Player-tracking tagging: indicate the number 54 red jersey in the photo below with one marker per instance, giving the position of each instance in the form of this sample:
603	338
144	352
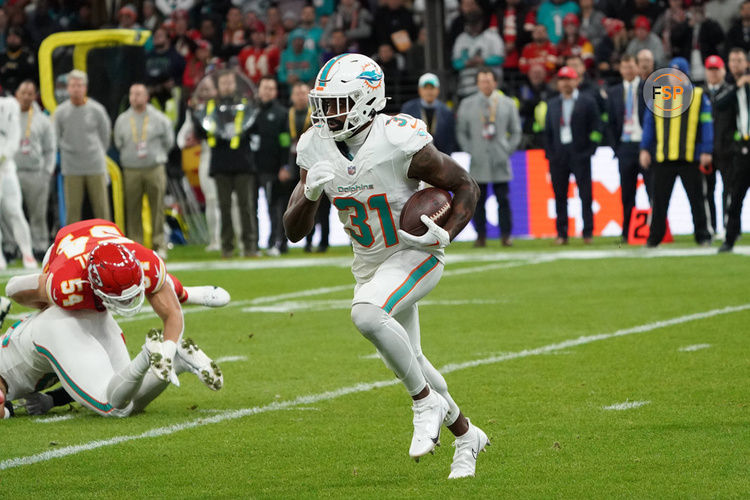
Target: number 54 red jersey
66	261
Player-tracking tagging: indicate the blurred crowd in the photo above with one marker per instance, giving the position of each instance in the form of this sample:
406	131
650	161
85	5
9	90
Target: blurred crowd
521	45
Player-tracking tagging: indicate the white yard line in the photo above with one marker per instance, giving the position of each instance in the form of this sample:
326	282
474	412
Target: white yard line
230	359
696	347
52	420
361	387
627	405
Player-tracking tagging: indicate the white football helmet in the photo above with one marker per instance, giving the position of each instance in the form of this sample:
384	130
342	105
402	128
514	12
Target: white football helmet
353	84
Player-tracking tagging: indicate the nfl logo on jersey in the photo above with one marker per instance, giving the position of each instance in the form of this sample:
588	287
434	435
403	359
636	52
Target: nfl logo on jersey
351	169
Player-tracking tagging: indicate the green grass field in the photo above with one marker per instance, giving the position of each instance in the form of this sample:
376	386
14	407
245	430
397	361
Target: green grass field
536	344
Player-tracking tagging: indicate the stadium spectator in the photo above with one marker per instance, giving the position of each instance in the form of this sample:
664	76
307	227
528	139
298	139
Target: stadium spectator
127	18
592	22
551	14
645	39
457	25
270	144
259	59
573	44
337	44
476	48
231	163
394	24
673	158
208	32
515	22
735	102
439	119
572	133
290	21
309	28
180	36
35	160
723	12
724	126
11	206
539	52
234	36
298	64
533	96
355	21
666	23
41	23
149	15
625	109
393	65
196	65
631	10
164	68
144	137
83	131
739	33
608	51
489	129
695	39
17	62
415	56
646	64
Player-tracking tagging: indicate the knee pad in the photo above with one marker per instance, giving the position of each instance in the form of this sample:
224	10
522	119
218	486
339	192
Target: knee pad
368	318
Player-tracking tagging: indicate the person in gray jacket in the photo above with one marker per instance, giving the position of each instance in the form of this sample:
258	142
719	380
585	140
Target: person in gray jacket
36	159
489	129
83	131
144	136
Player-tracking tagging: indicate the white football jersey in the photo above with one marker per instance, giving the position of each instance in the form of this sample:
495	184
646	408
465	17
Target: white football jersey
370	190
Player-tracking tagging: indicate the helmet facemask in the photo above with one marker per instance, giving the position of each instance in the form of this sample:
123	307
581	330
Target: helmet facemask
116	278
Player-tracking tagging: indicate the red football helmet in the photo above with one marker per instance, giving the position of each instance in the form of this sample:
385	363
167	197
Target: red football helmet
116	277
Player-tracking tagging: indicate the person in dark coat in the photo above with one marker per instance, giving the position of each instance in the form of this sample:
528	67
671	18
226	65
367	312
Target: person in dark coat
572	133
625	110
439	119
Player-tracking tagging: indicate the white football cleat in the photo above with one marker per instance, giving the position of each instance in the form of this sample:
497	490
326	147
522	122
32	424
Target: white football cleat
160	355
429	413
468	446
196	361
209	296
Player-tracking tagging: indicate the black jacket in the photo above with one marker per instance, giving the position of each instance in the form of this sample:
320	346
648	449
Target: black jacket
725	118
585	124
225	159
616	111
270	137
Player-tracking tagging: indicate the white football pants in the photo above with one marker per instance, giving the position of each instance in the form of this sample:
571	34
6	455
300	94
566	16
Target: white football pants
385	311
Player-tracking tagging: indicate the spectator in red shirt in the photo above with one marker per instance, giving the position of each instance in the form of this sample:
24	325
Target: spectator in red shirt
573	44
539	51
259	59
195	66
234	37
514	21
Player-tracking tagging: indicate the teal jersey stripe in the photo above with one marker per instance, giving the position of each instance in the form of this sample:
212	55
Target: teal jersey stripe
104	407
407	286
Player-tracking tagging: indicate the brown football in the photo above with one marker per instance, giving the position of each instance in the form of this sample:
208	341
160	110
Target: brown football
432	202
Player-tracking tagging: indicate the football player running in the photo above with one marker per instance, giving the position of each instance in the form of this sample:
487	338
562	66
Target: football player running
90	271
369	164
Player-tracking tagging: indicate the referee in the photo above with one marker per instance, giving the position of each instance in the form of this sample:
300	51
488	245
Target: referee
681	142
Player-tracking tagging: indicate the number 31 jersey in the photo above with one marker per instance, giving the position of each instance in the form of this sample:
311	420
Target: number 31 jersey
66	261
370	190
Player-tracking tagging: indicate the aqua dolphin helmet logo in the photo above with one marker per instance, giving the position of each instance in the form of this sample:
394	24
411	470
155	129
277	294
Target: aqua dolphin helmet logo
372	78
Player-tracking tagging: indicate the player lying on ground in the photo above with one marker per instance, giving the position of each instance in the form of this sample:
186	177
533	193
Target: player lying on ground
85	351
369	164
92	266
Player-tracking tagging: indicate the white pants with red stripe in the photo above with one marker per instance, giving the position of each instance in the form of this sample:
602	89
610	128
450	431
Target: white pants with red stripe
385	311
84	350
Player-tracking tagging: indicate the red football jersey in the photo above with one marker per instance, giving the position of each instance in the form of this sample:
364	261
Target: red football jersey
66	261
